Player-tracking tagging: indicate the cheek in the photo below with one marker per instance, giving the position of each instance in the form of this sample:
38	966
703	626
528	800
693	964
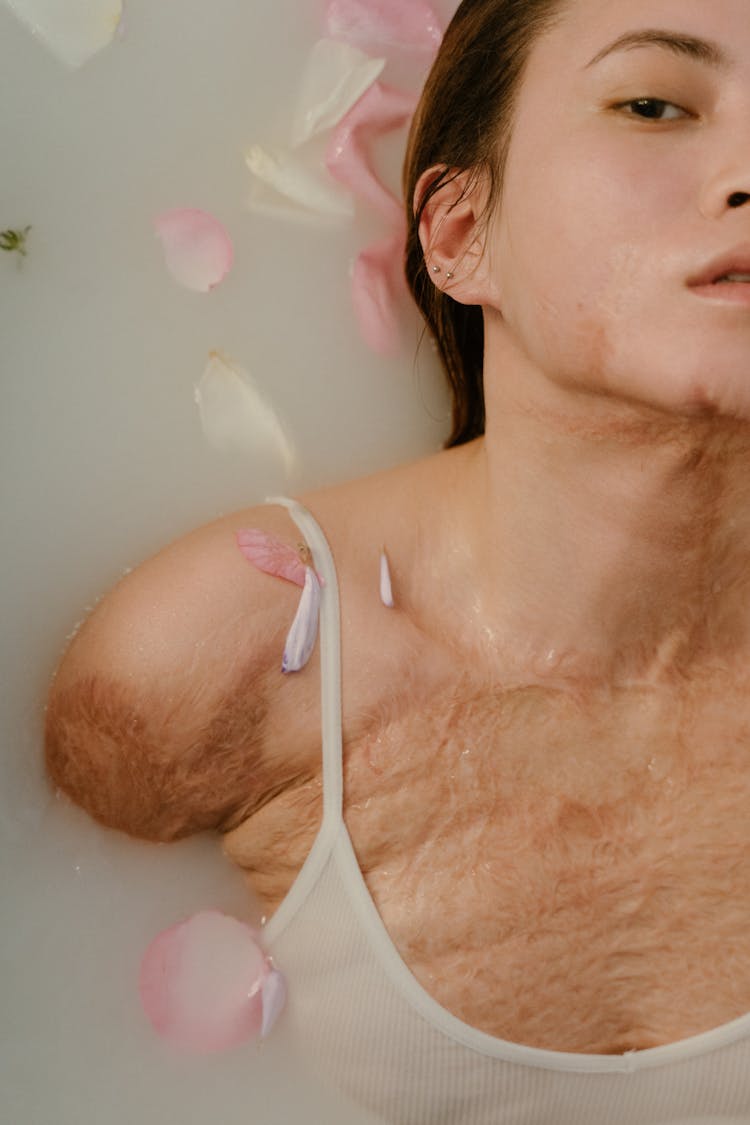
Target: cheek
578	249
560	275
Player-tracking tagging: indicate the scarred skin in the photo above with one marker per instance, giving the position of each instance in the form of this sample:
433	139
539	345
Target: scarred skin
547	740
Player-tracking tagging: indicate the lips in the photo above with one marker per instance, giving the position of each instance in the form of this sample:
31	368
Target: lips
730	268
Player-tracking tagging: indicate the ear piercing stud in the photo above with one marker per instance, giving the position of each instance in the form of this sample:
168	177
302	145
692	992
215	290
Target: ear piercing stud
449	276
436	269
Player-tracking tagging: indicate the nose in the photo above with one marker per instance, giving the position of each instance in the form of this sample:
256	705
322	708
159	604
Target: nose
727	189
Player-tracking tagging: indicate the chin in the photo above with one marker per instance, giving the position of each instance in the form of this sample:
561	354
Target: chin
703	390
720	395
715	401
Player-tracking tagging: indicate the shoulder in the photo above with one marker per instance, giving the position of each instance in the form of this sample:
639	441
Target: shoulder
408	513
169	713
157	718
388	506
183	611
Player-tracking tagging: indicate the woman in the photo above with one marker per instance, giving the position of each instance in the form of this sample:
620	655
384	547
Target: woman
546	743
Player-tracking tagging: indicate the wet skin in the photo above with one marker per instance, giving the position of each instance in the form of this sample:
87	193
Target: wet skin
547	741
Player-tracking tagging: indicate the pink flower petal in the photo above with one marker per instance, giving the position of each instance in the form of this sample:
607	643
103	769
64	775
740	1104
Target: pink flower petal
271	556
379	110
300	640
410	24
201	983
377	285
197	248
274	994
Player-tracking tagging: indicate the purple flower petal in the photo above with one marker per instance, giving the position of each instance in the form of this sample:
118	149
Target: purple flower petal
300	640
273	995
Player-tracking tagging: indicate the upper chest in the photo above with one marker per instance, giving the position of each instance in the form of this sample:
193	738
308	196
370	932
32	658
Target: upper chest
570	874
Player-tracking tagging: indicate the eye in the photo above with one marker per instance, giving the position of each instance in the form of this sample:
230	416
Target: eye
653	109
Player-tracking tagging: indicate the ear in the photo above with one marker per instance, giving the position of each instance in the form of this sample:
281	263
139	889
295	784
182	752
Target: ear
452	230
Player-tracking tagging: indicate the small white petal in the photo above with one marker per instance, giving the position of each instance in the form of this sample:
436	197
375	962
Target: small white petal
386	588
299	186
300	640
74	30
336	77
235	414
273	995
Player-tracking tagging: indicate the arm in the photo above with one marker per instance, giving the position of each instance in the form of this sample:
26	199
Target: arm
156	718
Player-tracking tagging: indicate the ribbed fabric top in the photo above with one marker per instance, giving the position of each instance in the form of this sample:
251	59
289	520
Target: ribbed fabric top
369	1028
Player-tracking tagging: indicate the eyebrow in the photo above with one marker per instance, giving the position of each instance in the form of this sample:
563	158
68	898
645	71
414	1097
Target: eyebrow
703	50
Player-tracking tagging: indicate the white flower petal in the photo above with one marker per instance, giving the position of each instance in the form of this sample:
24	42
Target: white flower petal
300	186
335	78
236	416
197	248
300	640
386	587
74	30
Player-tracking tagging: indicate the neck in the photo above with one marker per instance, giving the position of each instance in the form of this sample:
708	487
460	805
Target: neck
605	541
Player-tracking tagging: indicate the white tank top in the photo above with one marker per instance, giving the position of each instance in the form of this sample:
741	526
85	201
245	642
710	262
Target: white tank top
367	1026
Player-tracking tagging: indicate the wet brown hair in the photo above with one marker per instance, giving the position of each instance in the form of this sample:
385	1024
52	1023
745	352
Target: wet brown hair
463	123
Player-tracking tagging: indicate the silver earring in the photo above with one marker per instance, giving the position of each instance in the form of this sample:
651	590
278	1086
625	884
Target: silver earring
436	269
449	276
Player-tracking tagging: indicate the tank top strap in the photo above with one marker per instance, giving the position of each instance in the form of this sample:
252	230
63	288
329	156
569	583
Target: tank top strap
330	660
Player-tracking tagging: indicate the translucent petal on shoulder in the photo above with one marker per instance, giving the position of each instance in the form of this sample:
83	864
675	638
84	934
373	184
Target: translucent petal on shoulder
270	555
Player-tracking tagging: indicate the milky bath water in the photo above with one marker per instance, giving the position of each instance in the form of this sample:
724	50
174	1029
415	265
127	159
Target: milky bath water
104	460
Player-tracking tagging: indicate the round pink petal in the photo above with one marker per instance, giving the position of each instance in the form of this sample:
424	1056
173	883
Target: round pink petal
197	248
201	983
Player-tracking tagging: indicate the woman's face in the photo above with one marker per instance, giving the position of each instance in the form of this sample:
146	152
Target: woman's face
631	142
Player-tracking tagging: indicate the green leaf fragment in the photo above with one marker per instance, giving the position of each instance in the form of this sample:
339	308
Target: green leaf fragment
14	240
